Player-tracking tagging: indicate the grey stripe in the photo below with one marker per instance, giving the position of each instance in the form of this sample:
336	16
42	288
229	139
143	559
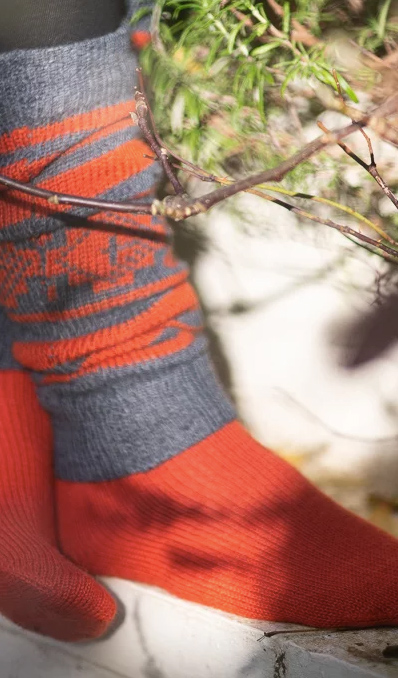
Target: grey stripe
41	150
77	327
137	422
7	361
41	86
83	154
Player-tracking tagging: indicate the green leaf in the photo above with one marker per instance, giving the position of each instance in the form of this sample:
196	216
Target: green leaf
323	75
259	30
290	75
233	36
347	89
381	27
140	14
286	18
263	49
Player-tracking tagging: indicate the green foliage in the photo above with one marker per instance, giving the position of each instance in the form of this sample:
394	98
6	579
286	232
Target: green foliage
221	69
378	32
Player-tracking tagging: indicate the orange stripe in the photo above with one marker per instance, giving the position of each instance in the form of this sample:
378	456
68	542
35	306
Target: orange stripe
142	343
81	122
23	170
174	345
89	179
47	354
99	174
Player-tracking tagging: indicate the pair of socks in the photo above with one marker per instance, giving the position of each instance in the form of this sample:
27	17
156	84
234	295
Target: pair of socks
156	480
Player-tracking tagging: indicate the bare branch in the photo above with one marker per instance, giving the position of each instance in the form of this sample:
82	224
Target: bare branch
371	167
342	228
204	203
180	207
142	110
66	199
388	252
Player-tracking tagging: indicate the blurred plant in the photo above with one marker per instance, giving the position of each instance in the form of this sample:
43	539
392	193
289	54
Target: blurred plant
225	74
379	33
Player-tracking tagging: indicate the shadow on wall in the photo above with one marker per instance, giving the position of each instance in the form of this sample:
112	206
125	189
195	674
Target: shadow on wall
367	337
361	342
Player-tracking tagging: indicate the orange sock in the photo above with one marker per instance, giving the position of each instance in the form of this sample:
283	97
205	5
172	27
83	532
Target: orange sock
39	588
229	525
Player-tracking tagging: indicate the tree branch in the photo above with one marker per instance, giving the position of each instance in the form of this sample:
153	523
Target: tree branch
391	253
142	110
181	206
66	199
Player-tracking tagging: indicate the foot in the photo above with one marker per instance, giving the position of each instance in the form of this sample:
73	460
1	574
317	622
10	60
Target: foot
40	589
230	525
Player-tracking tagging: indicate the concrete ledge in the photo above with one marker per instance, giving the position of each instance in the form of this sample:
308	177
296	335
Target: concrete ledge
164	637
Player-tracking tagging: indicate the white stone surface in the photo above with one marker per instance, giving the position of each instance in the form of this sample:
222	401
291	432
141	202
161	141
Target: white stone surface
163	637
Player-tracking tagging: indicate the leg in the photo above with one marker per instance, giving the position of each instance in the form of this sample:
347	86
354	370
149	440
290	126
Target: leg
157	481
39	588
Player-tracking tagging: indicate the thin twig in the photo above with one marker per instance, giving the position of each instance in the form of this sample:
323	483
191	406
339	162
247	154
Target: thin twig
273	30
369	167
365	136
299	33
297	194
338	86
142	110
207	201
342	228
156	40
182	206
142	89
203	175
67	199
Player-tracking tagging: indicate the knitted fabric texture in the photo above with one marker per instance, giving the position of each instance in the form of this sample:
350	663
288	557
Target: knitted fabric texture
156	481
39	588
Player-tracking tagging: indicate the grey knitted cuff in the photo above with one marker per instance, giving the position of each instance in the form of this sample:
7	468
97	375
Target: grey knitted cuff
42	86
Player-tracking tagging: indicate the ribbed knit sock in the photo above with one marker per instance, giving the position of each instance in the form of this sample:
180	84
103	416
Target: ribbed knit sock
157	482
39	588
